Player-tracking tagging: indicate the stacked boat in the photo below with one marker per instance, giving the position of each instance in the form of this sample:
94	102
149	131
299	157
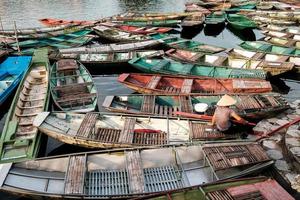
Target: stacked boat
153	142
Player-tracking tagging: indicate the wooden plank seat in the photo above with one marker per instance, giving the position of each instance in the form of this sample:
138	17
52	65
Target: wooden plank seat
172	90
83	98
66	64
77	87
75	175
185	104
135	172
165	110
257	56
87	125
148	104
126	135
186	86
153	82
219	61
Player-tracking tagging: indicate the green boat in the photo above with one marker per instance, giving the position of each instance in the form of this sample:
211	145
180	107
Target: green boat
216	18
72	87
164	66
20	140
156	23
240	22
265	47
249	6
246	188
185	44
251	106
68	40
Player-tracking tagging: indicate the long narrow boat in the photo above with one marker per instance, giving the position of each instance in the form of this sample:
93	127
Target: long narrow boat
253	188
12	70
95	130
267	20
154	23
106	48
68	40
58	22
117	35
215	19
193	21
163	84
193	7
138	30
129	173
139	16
241	53
119	58
282	34
72	87
19	139
165	66
285	42
285	29
273	68
240	22
284	15
255	106
265	47
179	43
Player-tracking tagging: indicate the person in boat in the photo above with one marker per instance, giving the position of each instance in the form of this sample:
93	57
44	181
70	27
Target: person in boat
223	114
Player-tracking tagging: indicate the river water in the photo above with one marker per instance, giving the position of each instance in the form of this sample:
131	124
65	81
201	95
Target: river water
27	12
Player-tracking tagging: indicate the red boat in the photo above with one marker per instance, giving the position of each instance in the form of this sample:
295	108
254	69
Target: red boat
164	84
57	22
138	30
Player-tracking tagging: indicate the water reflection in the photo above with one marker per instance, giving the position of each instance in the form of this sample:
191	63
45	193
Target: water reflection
213	30
246	34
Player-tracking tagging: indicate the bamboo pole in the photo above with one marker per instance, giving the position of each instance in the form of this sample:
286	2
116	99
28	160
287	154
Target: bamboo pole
16	35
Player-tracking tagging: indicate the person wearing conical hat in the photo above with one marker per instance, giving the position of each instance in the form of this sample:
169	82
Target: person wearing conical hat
223	114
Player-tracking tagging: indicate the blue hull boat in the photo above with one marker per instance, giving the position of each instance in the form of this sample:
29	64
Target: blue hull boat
11	73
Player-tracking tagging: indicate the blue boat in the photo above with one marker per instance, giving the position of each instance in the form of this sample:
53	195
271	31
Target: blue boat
11	73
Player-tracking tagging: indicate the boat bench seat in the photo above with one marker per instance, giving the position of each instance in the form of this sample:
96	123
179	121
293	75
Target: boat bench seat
75	176
219	61
153	82
126	135
66	64
148	104
186	86
81	97
185	104
87	125
72	89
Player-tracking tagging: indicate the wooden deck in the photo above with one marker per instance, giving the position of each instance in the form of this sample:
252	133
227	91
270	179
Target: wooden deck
126	135
148	104
153	82
75	176
135	172
187	86
87	126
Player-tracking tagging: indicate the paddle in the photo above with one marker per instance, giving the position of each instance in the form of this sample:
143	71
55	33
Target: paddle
206	117
279	128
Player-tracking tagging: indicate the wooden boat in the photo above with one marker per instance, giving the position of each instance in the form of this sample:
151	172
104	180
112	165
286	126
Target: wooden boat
192	21
12	70
240	22
105	48
240	53
254	106
72	87
246	7
191	45
68	40
164	84
285	29
256	188
117	35
269	48
19	139
271	67
267	20
285	15
129	173
94	130
136	16
138	30
164	66
118	58
154	23
215	18
58	22
193	7
221	7
281	34
285	42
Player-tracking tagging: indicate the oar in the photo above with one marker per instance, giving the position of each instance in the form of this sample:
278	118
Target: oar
205	117
288	124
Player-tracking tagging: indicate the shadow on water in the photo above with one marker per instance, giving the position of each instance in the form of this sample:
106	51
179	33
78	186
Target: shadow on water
213	30
190	33
245	34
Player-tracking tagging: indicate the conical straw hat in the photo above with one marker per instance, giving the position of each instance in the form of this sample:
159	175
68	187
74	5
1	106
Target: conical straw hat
226	100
